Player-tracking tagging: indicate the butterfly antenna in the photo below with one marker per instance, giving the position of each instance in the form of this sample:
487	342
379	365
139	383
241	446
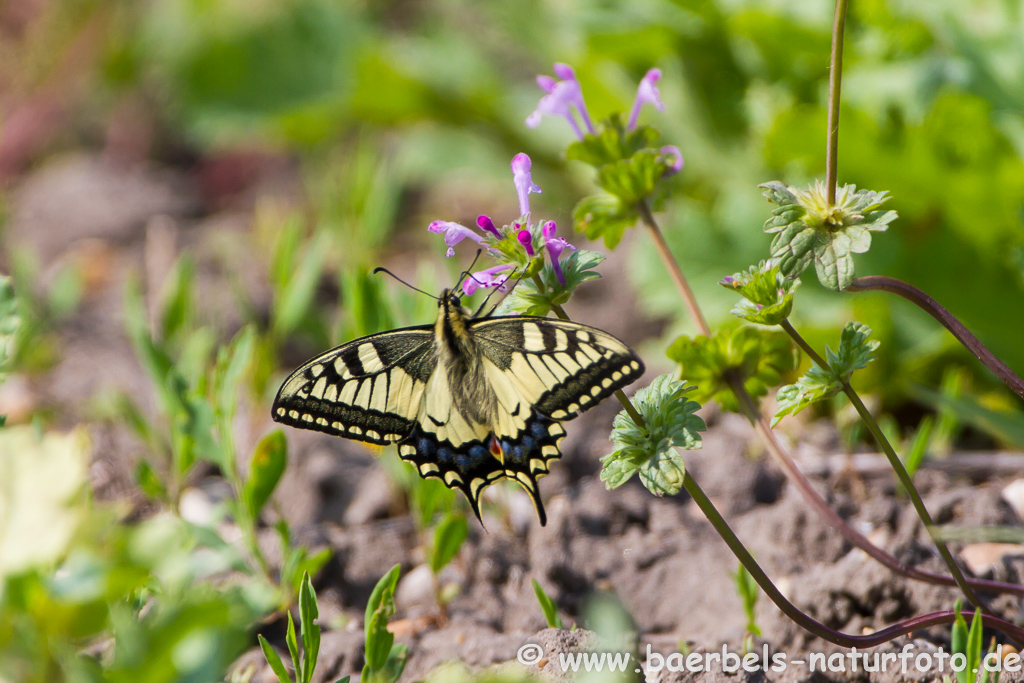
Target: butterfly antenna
484	303
464	273
415	289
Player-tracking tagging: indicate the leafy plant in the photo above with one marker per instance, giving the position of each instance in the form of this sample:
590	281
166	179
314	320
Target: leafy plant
748	591
670	422
810	229
756	359
818	383
385	660
304	664
548	606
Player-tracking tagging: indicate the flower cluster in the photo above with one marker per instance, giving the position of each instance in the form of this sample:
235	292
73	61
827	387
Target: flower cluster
565	98
524	245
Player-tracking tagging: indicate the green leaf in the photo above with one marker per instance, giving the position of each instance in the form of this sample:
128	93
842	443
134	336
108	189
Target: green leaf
294	300
749	591
1006	426
919	446
527	299
265	470
378	638
611	143
308	614
855	352
293	645
634	179
767	293
958	643
754	356
388	581
548	606
177	301
604	216
974	645
149	482
395	664
809	230
274	660
10	323
670	423
448	538
369	306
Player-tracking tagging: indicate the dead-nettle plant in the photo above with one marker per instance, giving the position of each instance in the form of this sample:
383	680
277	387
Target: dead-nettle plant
731	366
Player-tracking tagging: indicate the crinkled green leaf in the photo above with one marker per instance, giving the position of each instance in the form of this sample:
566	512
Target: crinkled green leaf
527	299
757	357
670	422
767	293
855	352
611	143
604	216
808	230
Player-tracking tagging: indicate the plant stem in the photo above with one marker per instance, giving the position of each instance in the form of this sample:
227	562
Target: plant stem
673	269
793	473
901	471
799	617
634	415
946	319
835	79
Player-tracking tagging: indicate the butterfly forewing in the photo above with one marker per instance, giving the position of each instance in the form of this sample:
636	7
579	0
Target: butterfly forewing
562	368
370	389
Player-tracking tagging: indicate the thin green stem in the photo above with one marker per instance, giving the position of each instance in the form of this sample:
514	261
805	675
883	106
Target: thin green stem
894	460
673	269
835	79
946	319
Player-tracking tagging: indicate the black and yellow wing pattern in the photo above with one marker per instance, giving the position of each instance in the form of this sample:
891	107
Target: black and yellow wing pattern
470	406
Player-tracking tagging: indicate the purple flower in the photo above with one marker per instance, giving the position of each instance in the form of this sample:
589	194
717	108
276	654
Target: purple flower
677	162
646	93
487	225
555	247
564	97
453	234
486	278
523	180
525	238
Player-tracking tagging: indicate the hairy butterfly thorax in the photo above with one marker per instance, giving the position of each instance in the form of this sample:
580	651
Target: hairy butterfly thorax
466	400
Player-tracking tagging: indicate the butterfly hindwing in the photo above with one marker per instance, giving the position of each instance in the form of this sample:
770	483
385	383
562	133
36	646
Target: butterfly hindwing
540	371
370	389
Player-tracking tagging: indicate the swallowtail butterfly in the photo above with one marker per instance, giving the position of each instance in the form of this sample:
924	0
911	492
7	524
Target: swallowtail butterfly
467	400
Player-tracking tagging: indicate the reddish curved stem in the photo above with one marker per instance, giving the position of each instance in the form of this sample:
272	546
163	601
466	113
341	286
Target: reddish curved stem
946	319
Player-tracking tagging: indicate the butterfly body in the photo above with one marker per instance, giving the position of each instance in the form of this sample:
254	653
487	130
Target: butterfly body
467	400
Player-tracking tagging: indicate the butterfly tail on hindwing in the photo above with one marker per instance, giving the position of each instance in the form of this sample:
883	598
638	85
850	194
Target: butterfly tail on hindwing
472	467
